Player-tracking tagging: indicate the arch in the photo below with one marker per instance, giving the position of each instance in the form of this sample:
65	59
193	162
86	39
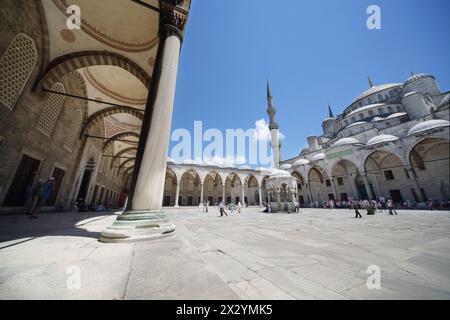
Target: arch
77	60
316	178
16	65
119	136
121	153
190	188
123	163
429	159
170	185
348	181
389	175
128	171
213	187
99	115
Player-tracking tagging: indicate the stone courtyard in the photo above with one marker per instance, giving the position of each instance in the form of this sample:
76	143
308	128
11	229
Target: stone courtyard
318	254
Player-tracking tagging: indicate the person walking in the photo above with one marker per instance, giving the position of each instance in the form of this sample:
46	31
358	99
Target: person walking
239	207
391	208
222	209
46	191
206	206
357	214
36	192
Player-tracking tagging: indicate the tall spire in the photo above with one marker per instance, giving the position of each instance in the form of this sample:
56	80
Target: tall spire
330	112
268	91
271	110
370	83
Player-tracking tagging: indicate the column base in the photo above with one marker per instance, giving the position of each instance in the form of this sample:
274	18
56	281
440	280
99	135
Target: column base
136	226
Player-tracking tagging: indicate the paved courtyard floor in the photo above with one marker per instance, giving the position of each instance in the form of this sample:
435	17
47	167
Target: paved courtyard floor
318	254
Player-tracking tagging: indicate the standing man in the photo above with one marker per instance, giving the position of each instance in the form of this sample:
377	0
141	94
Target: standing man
222	208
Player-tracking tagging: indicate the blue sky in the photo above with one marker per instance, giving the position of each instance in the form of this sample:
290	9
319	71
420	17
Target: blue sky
312	52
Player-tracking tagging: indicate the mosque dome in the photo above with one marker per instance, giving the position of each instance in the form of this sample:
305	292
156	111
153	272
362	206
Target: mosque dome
170	160
428	126
376	89
245	168
300	162
415	77
286	166
279	173
317	157
304	150
344	142
384	138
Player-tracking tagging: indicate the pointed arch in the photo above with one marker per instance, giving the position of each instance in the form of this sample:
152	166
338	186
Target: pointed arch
123	163
121	153
99	115
77	60
119	136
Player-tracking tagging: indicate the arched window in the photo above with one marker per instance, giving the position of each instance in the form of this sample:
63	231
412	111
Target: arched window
16	66
361	116
72	132
51	111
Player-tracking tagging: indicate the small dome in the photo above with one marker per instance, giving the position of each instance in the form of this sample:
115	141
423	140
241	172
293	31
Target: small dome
356	124
376	89
428	126
319	156
285	166
344	142
170	160
245	167
279	173
384	138
301	162
396	115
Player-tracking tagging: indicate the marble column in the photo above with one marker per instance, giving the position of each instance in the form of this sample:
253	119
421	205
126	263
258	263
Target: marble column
311	199
201	192
177	195
367	185
243	195
412	175
260	196
223	193
143	219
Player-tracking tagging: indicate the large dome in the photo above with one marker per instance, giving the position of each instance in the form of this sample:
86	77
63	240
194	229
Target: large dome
376	89
415	77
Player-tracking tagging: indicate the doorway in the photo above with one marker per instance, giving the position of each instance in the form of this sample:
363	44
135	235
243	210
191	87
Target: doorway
58	174
24	177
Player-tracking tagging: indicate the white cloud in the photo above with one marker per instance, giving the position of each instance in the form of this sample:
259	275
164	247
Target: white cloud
262	131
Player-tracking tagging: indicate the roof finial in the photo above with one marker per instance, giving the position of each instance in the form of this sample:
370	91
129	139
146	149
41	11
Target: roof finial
370	83
412	74
330	112
268	90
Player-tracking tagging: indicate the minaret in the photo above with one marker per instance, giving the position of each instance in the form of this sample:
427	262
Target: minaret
274	129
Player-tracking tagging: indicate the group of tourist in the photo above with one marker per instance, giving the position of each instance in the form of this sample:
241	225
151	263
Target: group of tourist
223	206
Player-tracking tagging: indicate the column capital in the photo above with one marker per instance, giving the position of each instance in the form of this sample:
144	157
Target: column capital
173	16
